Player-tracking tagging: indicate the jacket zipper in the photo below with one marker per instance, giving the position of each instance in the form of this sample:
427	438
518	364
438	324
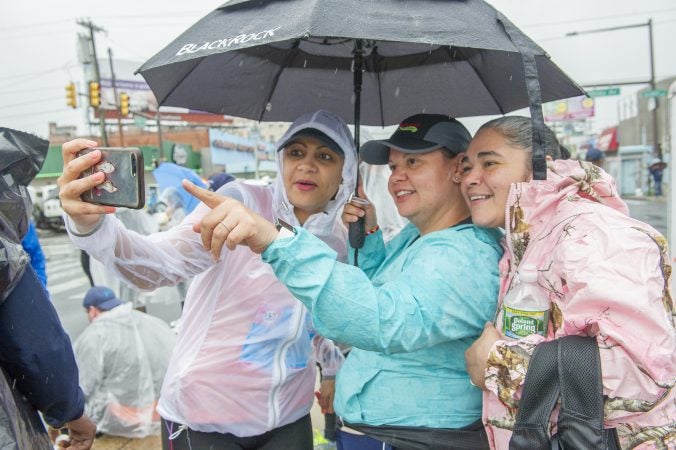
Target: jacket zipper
279	363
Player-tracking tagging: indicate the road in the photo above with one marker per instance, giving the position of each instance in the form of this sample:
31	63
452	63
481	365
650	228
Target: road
66	281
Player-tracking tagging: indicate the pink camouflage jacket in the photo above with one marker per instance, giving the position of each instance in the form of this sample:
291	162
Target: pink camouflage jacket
607	275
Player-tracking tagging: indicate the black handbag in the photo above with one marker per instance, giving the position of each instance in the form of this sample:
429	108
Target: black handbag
568	369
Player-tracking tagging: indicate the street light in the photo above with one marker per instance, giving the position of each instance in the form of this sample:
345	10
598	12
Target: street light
649	24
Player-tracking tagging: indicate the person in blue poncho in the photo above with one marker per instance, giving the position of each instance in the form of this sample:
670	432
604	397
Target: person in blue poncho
413	306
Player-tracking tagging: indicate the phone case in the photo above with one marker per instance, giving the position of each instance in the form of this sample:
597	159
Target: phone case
124	184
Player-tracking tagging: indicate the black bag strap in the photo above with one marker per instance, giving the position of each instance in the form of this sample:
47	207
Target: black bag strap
580	423
568	368
539	395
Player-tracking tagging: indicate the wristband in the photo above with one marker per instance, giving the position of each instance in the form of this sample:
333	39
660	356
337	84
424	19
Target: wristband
372	230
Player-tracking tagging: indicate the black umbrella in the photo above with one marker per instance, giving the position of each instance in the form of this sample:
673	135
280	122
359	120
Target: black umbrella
274	60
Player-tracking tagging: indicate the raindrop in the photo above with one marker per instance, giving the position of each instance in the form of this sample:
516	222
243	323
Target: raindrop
396	92
424	110
510	78
268	107
335	72
241	63
304	64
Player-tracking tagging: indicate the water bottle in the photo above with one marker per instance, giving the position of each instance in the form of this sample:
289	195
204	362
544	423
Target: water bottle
525	308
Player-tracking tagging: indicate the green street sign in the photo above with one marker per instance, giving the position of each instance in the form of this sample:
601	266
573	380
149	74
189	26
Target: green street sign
655	93
604	92
139	121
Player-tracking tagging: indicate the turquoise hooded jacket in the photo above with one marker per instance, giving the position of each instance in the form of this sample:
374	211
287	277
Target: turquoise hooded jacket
410	311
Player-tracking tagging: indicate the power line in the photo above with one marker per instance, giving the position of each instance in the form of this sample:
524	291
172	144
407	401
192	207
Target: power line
559	37
25	37
591	19
155	15
35	24
42	100
40	72
32	89
33	113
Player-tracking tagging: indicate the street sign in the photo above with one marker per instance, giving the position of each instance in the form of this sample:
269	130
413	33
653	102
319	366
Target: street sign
604	92
139	121
655	93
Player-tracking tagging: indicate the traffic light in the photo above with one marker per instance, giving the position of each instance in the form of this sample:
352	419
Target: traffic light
124	104
94	94
71	95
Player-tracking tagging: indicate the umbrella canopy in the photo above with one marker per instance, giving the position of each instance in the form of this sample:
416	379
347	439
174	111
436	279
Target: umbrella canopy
170	175
277	59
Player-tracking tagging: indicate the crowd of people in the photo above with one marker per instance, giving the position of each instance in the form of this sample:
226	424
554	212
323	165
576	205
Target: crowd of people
410	340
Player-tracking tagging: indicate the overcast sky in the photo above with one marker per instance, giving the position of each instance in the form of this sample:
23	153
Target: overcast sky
39	57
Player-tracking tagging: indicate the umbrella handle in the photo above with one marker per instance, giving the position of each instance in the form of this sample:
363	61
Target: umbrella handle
356	233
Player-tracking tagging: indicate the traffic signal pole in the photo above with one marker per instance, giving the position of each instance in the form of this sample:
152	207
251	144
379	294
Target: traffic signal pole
656	135
91	27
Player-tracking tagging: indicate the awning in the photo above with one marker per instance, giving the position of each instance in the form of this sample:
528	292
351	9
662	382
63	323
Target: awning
607	140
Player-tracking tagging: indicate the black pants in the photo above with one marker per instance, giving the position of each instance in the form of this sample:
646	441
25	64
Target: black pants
86	267
294	436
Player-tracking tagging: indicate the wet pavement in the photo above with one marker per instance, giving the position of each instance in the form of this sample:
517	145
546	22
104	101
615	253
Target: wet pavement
118	443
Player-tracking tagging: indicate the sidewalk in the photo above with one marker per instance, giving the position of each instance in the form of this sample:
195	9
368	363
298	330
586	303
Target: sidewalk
648	198
119	443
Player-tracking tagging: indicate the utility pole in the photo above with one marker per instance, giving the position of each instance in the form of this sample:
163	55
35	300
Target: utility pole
657	149
92	28
658	144
117	103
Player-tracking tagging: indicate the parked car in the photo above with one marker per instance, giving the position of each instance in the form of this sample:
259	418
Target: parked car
47	212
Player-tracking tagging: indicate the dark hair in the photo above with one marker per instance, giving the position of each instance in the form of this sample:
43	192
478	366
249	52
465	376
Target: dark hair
449	154
565	153
518	132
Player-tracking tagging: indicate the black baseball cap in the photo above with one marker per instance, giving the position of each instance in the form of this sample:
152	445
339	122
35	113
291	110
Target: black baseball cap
420	133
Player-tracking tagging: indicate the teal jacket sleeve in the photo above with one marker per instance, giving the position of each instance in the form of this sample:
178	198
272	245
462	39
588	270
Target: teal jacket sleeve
445	290
371	255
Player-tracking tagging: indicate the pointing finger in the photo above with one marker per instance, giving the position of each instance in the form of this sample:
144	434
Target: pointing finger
209	198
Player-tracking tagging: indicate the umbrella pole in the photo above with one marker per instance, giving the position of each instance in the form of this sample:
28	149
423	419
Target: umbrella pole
530	69
356	229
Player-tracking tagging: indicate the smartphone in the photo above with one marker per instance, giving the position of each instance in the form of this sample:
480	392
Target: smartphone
124	183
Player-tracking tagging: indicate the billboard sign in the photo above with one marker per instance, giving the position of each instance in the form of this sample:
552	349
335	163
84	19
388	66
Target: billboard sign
569	109
239	154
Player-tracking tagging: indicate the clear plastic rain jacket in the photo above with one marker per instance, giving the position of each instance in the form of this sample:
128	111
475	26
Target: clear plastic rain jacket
123	356
410	311
243	361
607	275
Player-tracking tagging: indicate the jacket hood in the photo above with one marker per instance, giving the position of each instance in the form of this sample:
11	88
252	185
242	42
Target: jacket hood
530	203
321	224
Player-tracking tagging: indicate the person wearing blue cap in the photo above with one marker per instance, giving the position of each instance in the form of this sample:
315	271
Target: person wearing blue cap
243	371
123	356
219	179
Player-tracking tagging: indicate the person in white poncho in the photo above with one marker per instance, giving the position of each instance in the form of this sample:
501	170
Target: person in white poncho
123	356
243	370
